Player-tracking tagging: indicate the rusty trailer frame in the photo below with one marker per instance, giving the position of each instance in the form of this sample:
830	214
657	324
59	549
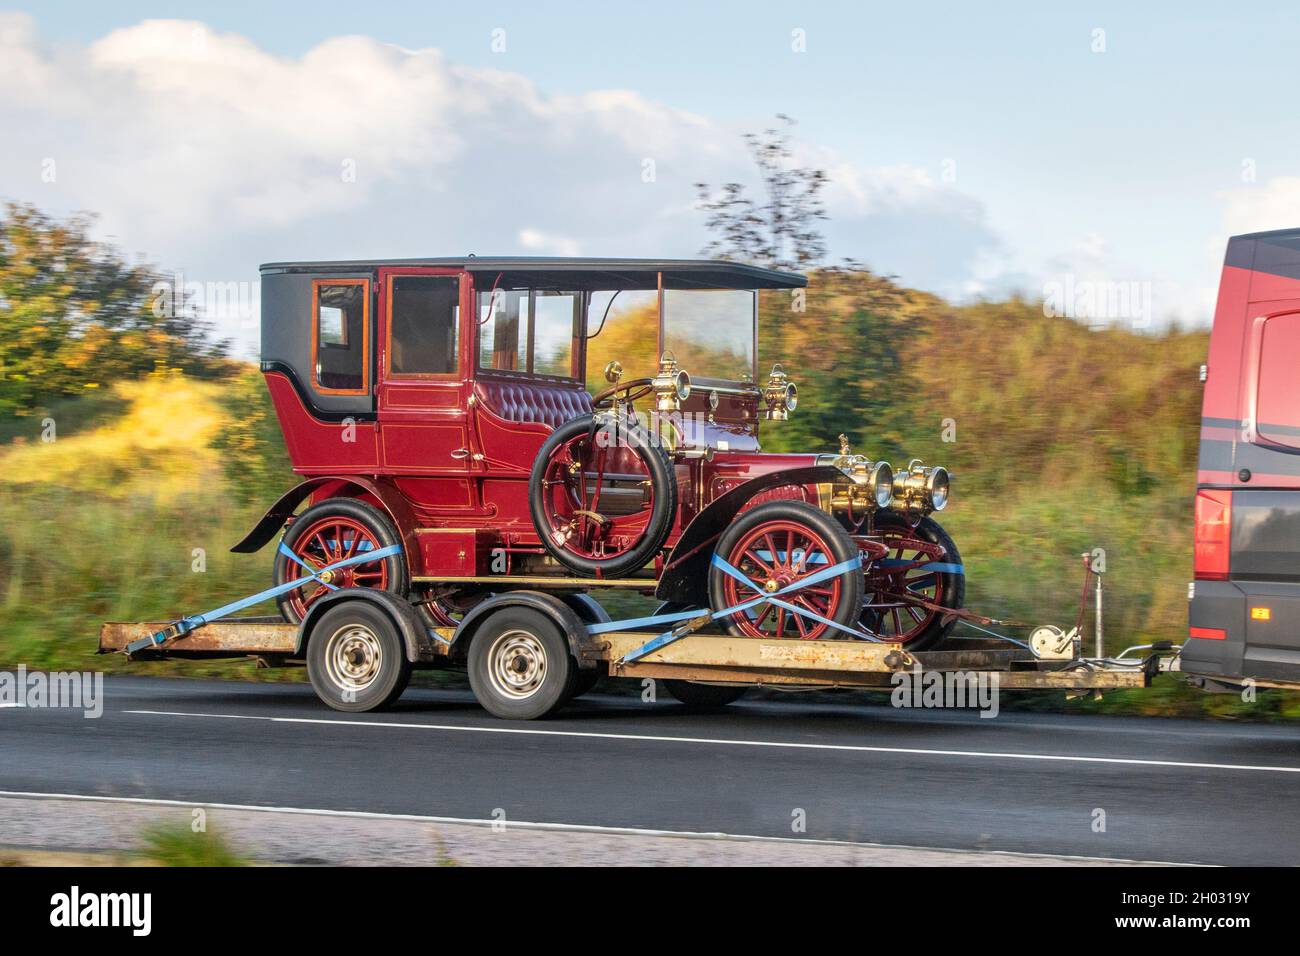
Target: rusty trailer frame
697	657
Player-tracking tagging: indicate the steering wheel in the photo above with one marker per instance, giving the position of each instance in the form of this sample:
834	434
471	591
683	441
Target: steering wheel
606	394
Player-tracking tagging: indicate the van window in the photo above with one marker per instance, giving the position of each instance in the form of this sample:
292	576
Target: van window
1277	409
422	322
340	334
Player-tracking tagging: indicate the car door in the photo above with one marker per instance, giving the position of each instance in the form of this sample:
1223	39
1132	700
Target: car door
423	420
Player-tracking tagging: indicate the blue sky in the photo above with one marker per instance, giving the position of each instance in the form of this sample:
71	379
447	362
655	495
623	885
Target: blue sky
1125	164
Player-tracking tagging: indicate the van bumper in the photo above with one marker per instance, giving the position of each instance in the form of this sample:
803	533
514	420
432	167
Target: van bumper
1216	608
1225	641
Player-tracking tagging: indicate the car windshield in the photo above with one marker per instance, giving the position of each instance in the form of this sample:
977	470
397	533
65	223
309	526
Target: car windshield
711	332
622	327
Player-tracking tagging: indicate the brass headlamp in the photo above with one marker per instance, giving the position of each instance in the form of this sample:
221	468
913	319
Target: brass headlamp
870	484
672	385
780	394
922	489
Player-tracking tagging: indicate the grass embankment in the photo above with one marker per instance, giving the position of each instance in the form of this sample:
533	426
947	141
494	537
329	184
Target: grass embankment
121	517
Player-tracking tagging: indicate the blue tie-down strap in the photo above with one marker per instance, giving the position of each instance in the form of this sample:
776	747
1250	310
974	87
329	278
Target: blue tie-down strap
763	597
187	624
938	567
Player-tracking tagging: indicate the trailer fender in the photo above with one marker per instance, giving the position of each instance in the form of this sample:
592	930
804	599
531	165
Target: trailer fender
388	497
567	617
421	646
686	574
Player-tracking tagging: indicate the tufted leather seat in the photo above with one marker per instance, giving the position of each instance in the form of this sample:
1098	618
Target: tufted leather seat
546	403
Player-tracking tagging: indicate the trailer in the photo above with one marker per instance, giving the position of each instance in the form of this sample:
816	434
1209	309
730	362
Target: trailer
529	652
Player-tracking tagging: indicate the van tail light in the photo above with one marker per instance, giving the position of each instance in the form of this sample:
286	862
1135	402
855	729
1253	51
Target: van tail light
1212	542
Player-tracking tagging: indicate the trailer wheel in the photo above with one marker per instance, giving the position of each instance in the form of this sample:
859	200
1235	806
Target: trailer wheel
778	544
705	696
699	696
520	667
584	681
331	531
356	658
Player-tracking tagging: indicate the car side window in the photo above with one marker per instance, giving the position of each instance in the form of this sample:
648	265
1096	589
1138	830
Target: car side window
1277	410
423	321
341	335
504	316
522	330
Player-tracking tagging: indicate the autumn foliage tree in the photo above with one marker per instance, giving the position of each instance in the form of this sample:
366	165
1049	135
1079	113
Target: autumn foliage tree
75	314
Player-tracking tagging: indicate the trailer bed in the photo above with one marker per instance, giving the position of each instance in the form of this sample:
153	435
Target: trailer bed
697	657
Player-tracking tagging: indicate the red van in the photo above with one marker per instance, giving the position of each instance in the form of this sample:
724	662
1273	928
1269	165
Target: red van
1244	613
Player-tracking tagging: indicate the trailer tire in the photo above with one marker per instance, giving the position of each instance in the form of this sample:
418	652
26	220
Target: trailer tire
705	696
700	697
520	667
584	681
356	658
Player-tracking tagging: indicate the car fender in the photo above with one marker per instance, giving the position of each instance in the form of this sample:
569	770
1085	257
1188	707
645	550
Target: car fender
421	645
685	578
567	619
345	486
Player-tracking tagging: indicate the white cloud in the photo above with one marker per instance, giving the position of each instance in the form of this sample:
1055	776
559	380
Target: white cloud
210	154
534	240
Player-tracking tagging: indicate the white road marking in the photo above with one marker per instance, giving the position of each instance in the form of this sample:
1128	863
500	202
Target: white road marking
562	827
724	742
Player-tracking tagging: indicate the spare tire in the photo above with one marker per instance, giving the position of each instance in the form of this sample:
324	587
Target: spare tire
602	495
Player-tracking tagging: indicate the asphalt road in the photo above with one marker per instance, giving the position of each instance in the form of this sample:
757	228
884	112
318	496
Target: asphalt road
1170	790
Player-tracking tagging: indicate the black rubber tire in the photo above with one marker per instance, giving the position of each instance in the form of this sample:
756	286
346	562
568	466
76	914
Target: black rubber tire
704	696
701	697
375	521
953	594
584	681
558	673
830	530
663	484
364	622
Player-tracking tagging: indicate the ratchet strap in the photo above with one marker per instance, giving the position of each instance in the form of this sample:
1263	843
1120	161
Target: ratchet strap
178	629
690	621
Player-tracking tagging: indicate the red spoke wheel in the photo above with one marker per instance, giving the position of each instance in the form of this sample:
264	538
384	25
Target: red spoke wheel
922	564
776	545
333	531
447	608
602	496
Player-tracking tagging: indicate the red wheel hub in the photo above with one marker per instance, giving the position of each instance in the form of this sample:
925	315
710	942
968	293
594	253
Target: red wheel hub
325	542
775	555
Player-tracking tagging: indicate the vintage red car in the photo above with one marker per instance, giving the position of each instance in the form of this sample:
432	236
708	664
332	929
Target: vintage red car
444	405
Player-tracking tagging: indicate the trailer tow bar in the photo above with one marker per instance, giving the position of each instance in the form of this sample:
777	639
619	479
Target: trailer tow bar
178	629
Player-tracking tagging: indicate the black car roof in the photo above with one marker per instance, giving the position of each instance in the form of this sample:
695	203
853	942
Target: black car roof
570	273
